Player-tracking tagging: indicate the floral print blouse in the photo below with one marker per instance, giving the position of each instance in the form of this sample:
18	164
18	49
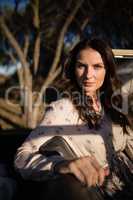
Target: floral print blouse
61	118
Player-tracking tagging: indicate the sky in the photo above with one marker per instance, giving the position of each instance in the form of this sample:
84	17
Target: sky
4	3
9	70
6	70
9	2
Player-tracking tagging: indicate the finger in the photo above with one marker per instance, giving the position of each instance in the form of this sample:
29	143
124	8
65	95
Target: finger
101	177
95	163
89	180
88	172
95	179
106	171
77	172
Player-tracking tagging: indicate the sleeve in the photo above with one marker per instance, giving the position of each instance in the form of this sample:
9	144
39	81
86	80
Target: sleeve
28	161
129	144
126	92
127	87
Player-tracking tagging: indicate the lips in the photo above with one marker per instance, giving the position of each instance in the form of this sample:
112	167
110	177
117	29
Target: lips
88	83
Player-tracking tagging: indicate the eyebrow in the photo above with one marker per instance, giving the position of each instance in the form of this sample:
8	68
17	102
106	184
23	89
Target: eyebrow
81	63
85	64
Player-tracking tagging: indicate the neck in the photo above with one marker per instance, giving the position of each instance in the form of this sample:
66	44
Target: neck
96	102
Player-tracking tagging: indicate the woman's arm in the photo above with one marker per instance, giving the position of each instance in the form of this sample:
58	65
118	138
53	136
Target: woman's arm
28	161
86	169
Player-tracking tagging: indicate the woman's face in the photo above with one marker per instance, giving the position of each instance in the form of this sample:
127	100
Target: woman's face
90	71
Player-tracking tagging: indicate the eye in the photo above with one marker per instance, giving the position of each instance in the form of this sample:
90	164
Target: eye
99	66
80	65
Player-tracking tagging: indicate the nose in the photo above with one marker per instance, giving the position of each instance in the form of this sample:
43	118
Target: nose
90	72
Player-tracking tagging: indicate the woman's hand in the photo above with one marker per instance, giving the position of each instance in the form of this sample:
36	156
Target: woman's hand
86	169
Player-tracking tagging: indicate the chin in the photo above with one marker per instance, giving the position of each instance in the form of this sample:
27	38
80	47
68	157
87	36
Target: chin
89	93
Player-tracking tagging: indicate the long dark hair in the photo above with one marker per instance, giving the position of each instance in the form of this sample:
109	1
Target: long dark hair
69	84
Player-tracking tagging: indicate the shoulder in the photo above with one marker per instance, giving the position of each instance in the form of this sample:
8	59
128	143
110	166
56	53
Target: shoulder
58	112
62	105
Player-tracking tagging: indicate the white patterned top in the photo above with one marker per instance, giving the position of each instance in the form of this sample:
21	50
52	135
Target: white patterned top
62	119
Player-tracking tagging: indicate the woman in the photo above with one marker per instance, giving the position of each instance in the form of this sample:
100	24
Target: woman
86	120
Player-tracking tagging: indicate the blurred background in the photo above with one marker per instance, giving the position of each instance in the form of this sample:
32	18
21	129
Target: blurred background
36	35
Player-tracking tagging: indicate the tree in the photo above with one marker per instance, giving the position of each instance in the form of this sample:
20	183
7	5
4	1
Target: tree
35	40
27	114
